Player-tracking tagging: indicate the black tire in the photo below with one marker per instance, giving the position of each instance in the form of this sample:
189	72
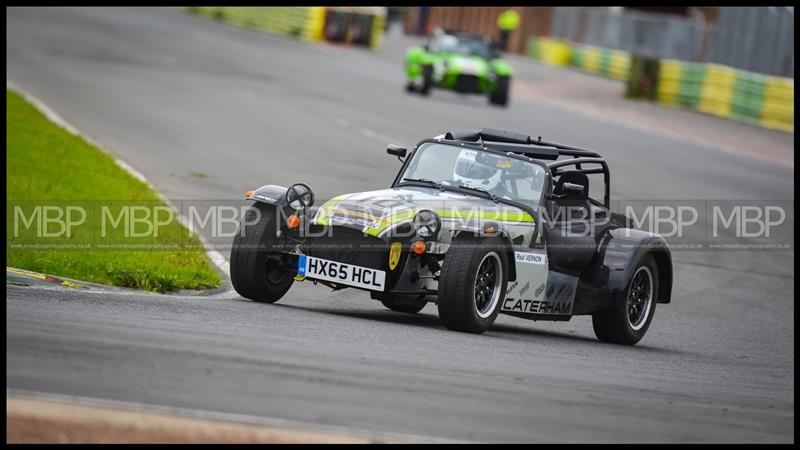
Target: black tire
617	325
500	94
404	304
427	80
458	301
258	270
410	86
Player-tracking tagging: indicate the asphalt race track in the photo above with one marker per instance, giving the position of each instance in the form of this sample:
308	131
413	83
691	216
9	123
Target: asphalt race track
173	94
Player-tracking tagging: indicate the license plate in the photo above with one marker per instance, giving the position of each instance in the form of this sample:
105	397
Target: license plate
336	272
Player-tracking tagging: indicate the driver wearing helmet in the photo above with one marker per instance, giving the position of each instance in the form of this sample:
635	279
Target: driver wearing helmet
472	173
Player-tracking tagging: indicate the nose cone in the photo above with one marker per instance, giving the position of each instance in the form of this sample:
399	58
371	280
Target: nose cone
468	65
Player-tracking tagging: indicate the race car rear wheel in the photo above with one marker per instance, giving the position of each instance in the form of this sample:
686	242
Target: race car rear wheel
258	270
627	323
500	94
402	304
472	284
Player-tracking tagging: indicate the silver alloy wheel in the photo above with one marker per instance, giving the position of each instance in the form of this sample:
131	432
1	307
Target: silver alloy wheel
640	297
487	285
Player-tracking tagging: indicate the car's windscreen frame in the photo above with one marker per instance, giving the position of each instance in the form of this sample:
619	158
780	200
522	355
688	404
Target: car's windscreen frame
547	182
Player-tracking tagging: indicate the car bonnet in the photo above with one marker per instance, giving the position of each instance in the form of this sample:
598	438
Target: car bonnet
375	211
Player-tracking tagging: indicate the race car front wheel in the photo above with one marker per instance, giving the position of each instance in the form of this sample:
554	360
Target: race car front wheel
627	323
472	284
427	80
259	271
500	94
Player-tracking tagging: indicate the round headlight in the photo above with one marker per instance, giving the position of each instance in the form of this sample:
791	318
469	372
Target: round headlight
299	196
427	223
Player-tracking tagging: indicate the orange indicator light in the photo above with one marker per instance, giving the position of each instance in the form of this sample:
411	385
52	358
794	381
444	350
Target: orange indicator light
418	247
293	221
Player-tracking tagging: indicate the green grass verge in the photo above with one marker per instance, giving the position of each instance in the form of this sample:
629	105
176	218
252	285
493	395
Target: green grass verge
48	165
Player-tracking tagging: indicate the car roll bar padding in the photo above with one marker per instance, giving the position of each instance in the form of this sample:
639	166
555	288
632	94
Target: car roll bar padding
495	135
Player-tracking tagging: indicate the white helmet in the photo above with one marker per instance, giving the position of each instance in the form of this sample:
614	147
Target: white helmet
469	172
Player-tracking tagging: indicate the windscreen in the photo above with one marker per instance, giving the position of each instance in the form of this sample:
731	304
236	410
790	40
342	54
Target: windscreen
452	165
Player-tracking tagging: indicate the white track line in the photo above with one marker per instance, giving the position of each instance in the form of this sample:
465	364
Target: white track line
213	255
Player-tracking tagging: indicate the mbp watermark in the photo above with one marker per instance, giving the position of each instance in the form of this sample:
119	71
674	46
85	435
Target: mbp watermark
49	221
747	221
704	225
135	221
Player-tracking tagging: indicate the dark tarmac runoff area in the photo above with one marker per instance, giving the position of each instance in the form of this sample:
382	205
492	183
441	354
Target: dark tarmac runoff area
173	94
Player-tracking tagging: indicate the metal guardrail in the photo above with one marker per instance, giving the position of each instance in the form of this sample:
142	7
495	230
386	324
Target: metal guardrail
758	39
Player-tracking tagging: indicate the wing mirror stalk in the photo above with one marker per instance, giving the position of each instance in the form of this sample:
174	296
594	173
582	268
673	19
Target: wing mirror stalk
396	150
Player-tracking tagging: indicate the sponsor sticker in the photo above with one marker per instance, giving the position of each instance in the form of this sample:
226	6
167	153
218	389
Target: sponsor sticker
530	258
537	306
539	290
504	163
394	254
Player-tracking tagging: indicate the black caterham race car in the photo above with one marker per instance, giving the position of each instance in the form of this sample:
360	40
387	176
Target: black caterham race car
478	222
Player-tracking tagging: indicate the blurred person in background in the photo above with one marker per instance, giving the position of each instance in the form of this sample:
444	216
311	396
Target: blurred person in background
507	21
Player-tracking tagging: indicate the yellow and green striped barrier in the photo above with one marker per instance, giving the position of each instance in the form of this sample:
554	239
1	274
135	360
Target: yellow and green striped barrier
726	92
300	22
377	31
777	110
306	23
600	61
551	51
713	89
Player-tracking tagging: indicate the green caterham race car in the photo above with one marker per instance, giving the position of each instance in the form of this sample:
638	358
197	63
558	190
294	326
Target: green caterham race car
461	62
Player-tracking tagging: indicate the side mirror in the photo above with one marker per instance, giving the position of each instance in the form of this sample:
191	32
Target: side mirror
396	150
574	188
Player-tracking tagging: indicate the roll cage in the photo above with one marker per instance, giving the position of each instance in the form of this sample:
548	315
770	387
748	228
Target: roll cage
523	147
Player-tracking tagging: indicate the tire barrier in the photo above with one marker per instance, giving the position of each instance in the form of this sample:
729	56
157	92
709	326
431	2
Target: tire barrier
600	61
551	51
298	22
729	93
311	24
714	89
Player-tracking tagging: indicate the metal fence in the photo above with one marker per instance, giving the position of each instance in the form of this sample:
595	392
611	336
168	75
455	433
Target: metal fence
759	39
